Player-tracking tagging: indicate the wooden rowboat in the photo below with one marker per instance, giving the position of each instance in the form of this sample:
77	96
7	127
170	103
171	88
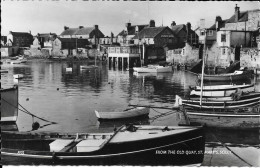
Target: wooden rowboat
222	90
245	102
128	113
128	145
237	75
243	96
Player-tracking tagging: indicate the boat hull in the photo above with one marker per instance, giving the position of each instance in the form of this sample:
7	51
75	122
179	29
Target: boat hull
226	120
255	100
185	147
136	112
153	69
9	104
226	77
222	91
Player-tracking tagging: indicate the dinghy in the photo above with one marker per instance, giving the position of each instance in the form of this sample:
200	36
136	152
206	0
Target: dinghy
128	145
128	113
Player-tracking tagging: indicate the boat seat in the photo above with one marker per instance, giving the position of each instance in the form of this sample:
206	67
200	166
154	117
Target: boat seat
90	145
59	144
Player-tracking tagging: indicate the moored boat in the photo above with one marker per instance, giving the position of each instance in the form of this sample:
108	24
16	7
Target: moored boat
222	90
153	69
249	100
87	67
128	113
128	145
237	75
9	104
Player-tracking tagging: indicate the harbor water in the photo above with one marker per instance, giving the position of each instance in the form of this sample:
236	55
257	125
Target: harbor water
68	101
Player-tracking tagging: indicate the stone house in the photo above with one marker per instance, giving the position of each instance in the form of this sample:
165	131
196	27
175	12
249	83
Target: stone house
92	34
20	39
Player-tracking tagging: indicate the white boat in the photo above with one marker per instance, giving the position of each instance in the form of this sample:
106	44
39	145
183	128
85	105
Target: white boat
18	76
222	90
153	69
68	69
88	67
128	113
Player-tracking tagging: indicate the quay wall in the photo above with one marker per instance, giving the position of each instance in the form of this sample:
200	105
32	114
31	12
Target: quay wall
250	57
188	55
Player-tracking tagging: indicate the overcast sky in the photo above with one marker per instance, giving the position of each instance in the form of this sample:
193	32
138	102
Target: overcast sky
50	16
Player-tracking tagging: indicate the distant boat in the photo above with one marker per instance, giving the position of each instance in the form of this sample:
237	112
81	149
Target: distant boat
69	69
127	145
9	104
153	69
221	90
237	75
18	76
88	67
128	113
3	71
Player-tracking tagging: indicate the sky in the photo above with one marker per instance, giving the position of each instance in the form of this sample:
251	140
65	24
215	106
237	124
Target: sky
45	16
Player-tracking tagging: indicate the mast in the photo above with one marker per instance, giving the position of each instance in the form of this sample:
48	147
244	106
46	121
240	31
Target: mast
203	67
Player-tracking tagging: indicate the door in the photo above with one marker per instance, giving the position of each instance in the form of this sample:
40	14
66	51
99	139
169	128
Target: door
237	53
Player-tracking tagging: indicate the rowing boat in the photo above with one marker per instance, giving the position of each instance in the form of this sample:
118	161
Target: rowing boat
237	75
128	145
222	90
128	113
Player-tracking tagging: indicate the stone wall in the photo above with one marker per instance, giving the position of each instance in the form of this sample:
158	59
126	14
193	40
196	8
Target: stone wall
187	55
250	57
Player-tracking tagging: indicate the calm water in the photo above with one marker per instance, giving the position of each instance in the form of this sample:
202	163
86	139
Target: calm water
70	98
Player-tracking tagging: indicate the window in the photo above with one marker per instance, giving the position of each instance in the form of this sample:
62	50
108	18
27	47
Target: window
202	33
223	51
223	37
210	33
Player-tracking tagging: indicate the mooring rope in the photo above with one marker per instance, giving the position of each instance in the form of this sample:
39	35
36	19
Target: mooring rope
230	150
27	112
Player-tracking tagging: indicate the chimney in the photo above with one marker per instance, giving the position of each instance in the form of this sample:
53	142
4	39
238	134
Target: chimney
237	13
218	22
80	27
202	23
30	32
188	29
127	24
96	27
152	23
65	27
173	24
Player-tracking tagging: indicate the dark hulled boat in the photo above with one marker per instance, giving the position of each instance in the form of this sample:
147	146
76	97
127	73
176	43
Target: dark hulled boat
129	145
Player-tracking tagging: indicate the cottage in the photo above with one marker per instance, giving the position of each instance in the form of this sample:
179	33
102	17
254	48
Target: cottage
125	37
184	33
92	34
20	39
